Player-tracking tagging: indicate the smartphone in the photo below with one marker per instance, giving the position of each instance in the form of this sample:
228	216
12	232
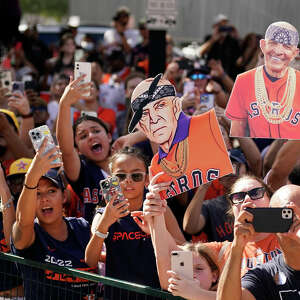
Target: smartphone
82	68
6	79
37	136
182	263
88	113
18	86
109	187
271	219
188	87
225	29
208	100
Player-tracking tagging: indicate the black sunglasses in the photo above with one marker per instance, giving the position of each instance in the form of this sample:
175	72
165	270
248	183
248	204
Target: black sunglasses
254	194
136	176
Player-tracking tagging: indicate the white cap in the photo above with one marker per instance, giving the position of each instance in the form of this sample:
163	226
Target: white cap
219	18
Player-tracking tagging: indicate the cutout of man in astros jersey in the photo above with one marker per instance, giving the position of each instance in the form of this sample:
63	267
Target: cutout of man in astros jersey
191	149
265	101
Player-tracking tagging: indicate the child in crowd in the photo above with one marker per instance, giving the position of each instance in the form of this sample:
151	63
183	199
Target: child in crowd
41	233
262	248
129	251
206	273
85	148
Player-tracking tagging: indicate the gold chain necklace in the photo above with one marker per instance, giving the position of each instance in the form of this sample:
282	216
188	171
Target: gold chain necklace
177	168
275	112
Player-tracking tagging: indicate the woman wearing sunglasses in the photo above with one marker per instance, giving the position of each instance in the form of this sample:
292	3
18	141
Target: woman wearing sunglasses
129	250
249	190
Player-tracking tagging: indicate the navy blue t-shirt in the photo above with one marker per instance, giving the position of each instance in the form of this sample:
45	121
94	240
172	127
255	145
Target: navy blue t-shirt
47	284
273	280
129	256
9	277
87	187
218	227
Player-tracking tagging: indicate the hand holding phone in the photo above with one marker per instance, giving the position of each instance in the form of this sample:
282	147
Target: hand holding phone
37	136
271	219
182	263
83	68
111	186
18	86
6	79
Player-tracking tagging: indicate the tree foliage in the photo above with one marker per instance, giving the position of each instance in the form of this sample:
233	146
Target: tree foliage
47	8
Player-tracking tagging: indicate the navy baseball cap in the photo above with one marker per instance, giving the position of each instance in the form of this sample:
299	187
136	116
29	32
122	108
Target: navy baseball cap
55	178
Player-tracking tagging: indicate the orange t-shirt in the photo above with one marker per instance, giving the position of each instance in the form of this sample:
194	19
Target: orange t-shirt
207	157
242	105
255	253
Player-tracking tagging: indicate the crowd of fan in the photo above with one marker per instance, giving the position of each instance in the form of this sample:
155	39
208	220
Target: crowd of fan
92	148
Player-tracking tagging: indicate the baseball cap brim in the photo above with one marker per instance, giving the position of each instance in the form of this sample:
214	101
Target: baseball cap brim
55	178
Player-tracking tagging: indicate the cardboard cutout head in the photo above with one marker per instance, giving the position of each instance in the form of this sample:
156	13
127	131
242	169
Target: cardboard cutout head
191	149
264	101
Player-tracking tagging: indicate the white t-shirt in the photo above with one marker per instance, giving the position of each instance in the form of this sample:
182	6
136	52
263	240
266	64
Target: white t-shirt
111	36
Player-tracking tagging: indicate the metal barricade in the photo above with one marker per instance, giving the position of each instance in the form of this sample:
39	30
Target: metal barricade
49	281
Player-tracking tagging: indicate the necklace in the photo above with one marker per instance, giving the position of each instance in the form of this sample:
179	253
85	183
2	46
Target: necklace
275	112
177	167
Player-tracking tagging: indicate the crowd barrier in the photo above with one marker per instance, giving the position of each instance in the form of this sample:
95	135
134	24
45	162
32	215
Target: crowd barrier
121	289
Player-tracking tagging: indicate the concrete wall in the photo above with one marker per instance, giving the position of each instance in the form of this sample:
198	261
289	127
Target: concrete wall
195	17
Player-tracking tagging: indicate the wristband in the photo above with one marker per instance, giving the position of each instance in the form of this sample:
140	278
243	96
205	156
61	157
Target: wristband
101	235
30	187
8	204
30	115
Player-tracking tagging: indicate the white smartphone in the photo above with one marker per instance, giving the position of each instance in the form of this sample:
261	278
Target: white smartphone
182	263
37	136
88	113
6	79
82	68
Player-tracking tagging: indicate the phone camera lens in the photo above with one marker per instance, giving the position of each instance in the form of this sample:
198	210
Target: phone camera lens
182	264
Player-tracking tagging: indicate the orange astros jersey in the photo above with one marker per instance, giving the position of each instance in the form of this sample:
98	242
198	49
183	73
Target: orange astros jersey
242	105
207	157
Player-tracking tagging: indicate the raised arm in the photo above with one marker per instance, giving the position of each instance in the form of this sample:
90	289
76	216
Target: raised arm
229	287
23	230
284	163
8	208
252	155
163	243
271	155
64	132
193	220
20	102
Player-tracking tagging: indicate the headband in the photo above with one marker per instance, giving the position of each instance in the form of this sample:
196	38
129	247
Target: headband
154	93
282	35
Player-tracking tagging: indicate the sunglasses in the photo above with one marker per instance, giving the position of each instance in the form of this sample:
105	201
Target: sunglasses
254	194
200	76
136	176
